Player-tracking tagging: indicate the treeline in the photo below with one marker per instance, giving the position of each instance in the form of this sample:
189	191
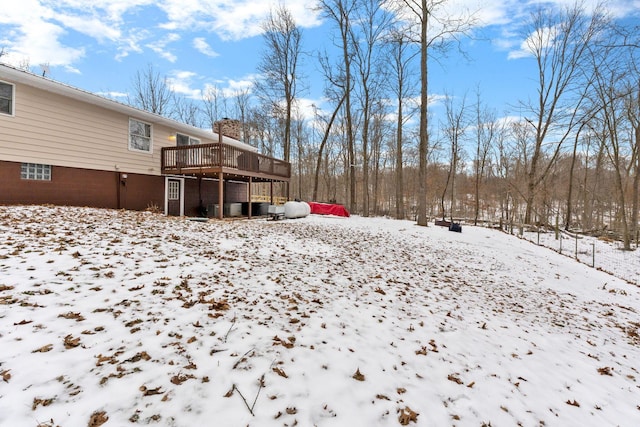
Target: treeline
569	157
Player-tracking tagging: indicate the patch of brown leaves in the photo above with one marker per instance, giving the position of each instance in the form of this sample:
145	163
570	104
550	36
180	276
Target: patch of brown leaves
97	419
407	416
358	375
70	342
72	316
40	402
43	349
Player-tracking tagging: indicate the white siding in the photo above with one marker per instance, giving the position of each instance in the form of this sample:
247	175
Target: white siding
54	129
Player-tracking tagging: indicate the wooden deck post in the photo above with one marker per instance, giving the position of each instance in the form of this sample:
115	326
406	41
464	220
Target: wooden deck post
250	207
271	191
220	196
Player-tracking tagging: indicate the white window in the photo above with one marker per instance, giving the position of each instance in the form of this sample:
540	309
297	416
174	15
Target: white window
182	140
6	98
187	158
139	136
35	171
174	190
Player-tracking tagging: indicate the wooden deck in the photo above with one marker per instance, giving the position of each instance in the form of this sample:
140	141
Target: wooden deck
218	158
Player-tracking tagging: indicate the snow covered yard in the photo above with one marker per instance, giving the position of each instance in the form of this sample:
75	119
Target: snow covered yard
126	318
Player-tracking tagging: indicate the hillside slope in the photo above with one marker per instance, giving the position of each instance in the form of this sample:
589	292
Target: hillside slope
125	318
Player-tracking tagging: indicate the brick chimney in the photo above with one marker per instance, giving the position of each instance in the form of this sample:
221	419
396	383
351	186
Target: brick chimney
228	127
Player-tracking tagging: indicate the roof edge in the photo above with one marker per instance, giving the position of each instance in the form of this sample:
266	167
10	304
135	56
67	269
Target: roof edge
47	84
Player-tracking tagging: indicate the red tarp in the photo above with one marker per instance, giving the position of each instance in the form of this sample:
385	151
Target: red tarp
328	209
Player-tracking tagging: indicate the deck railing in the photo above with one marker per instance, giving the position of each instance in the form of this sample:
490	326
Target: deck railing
218	156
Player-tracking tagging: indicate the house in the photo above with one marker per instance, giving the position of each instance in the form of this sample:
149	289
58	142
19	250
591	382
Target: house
65	146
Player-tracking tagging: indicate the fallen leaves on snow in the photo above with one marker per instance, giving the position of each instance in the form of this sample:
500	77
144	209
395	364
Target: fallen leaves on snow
150	391
43	349
224	300
407	415
97	419
358	375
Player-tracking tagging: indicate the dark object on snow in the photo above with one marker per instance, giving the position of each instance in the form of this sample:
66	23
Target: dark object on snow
276	213
455	226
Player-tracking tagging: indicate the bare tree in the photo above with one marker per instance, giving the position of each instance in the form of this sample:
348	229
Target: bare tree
323	143
632	46
263	130
403	89
186	111
615	86
574	159
340	12
242	100
559	42
380	130
522	133
633	115
454	130
214	105
370	67
299	133
280	68
435	31
150	91
488	130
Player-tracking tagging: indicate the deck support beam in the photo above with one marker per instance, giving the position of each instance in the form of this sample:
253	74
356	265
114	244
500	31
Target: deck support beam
271	191
220	195
250	207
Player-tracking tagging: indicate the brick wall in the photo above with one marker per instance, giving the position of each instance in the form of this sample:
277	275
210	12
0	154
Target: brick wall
228	127
81	187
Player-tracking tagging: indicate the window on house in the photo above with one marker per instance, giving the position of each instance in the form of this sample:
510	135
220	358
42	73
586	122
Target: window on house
174	190
139	136
187	157
182	140
6	98
35	171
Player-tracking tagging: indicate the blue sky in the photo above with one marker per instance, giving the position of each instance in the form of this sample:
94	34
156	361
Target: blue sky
98	45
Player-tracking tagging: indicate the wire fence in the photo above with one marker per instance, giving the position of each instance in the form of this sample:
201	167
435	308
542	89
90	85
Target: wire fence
602	254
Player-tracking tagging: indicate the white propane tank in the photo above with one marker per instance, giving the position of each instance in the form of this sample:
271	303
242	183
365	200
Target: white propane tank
296	209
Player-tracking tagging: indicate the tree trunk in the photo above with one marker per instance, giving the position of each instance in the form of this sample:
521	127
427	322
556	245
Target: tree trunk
567	223
476	207
322	146
636	187
424	130
399	175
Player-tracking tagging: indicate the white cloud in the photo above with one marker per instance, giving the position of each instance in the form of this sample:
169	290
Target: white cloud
181	81
520	13
160	46
307	108
232	19
242	84
230	87
42	30
39	43
93	27
435	99
535	42
131	43
203	47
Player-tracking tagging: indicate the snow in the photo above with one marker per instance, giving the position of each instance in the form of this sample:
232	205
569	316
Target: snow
600	253
130	318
